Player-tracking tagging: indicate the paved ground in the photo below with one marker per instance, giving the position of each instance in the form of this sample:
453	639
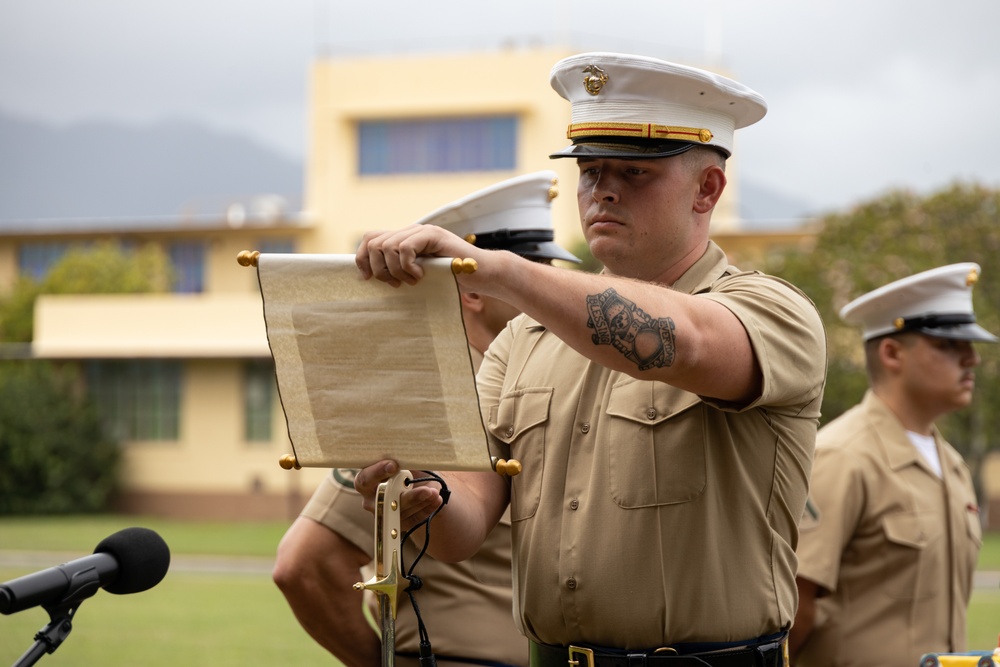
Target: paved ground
250	565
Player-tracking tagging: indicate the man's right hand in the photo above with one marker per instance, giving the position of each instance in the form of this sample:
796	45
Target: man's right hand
417	502
392	256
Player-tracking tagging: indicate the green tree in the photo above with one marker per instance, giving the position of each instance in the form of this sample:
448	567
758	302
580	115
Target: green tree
888	238
103	268
54	456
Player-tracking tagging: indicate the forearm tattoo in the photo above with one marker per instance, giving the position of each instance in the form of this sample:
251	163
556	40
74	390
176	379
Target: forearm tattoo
645	341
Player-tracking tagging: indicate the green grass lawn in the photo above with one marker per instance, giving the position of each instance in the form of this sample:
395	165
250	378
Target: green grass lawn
191	619
223	619
187	619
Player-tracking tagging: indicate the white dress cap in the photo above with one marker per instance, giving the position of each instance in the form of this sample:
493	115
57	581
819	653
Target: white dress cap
514	215
635	106
936	303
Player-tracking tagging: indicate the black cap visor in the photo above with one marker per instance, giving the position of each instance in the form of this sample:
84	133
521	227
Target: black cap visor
969	332
954	326
534	244
628	149
544	251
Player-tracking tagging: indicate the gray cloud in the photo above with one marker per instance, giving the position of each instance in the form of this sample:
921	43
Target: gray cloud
863	95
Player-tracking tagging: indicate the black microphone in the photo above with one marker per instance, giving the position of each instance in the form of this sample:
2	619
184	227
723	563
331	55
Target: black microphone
129	561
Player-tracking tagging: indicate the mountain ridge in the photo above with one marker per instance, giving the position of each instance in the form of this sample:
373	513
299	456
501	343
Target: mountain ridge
106	169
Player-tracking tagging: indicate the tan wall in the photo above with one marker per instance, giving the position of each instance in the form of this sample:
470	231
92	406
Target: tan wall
211	457
344	92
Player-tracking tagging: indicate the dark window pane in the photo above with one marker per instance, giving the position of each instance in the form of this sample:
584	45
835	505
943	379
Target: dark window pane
440	145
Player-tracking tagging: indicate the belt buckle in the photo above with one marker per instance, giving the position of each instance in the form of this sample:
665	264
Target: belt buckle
582	651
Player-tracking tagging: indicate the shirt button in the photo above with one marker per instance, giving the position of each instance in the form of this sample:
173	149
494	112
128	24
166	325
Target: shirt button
585	428
509	432
574	504
571	583
650	413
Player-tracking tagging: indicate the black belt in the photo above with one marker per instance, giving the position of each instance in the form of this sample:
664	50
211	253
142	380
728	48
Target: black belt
769	653
448	658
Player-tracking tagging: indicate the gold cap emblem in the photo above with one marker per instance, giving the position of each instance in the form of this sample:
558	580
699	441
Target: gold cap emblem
595	79
899	322
972	278
553	189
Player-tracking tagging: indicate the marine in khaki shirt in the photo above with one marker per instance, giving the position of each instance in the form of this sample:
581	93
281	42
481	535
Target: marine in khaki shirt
887	556
664	412
638	495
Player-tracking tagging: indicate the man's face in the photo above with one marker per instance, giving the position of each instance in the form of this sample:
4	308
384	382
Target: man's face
637	214
939	373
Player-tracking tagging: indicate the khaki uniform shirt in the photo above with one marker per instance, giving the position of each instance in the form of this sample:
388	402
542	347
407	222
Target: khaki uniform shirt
466	607
646	515
895	545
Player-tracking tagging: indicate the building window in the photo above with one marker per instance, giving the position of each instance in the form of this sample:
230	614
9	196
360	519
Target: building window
258	400
440	145
188	259
137	400
35	259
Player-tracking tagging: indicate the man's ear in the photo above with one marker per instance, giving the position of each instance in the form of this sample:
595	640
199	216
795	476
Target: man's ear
713	182
889	353
472	302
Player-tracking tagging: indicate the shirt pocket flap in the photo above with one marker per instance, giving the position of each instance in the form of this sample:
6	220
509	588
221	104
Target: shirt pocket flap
519	411
906	529
648	402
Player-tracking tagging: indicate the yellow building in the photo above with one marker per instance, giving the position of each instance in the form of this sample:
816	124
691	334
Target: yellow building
186	378
187	375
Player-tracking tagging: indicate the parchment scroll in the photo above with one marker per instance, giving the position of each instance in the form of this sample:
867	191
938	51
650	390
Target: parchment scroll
367	371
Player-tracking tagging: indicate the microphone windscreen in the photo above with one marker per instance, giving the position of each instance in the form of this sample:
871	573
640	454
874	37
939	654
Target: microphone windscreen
143	559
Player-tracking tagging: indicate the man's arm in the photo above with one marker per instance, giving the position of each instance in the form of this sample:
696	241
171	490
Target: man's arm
805	616
316	569
646	330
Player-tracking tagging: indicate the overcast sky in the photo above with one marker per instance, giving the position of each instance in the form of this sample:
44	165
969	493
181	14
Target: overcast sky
864	95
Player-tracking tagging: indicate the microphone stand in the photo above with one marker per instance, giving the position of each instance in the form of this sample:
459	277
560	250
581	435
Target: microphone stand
83	585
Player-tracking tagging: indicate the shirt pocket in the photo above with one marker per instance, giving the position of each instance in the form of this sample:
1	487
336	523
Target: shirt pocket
656	444
908	568
520	421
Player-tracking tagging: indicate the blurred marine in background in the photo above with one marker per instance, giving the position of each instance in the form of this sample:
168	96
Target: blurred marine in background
467	606
889	543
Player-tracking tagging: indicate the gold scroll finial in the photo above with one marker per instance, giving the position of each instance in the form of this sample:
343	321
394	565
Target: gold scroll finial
289	461
248	257
459	265
508	468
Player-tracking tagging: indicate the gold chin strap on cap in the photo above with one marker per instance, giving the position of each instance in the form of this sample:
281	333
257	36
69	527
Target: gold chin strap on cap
640	131
388	581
